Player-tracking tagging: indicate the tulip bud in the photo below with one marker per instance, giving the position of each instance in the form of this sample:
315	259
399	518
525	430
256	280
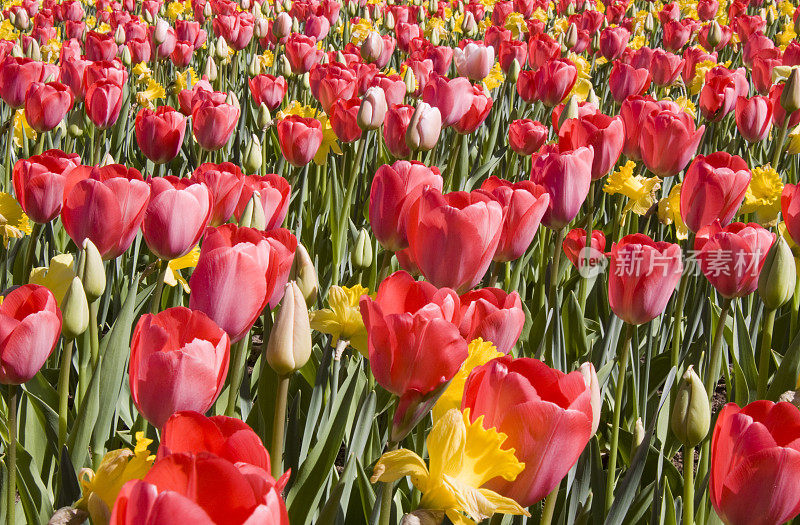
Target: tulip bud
638	435
107	160
210	71
232	100
770	17
254	68
388	21
373	109
469	26
261	28
362	254
691	416
410	80
287	5
372	47
253	214
75	124
295	25
304	274
282	25
592	97
424	128
340	57
92	271
22	21
208	12
571	37
148	16
119	35
777	279
792	396
714	34
436	37
245	5
790	97
284	67
125	56
34	51
74	311
263	118
513	71
649	23
252	155
306	80
423	517
289	345
161	31
570	111
12	17
221	49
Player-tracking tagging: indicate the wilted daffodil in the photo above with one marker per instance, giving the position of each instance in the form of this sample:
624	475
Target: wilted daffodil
100	488
463	456
763	195
14	224
669	212
56	277
343	319
639	190
480	353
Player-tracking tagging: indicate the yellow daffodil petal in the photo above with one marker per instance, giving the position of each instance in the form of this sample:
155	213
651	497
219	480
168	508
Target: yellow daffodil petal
57	277
763	196
669	212
397	464
484	458
480	353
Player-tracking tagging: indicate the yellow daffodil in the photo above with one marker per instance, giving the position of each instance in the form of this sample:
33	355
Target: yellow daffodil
51	50
100	488
786	8
175	9
463	456
699	78
793	147
153	92
669	212
786	36
173	277
266	59
330	142
484	24
343	319
142	72
540	14
185	80
8	31
480	353
515	23
687	106
763	196
639	190
637	42
57	276
22	129
360	30
14	224
495	77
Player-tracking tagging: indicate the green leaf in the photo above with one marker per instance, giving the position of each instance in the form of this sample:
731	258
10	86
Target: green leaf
78	441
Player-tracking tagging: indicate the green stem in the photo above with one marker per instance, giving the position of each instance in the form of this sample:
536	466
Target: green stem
63	392
551	294
688	485
766	350
776	153
793	325
625	350
386	494
30	251
678	318
9	141
236	372
155	302
279	426
11	485
94	335
549	506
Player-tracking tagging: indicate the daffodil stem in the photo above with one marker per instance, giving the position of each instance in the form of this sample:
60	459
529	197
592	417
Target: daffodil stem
155	302
236	372
63	392
767	326
11	465
688	485
625	350
386	494
278	427
549	506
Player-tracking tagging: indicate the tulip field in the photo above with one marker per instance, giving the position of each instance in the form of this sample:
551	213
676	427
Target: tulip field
418	262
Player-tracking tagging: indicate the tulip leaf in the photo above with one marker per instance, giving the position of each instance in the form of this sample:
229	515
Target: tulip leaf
78	442
785	378
34	496
69	488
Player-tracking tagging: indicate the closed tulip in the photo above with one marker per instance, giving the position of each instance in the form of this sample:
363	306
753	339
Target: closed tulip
395	188
372	111
289	345
46	105
626	80
665	67
100	46
337	82
524	204
554	80
344	119
117	194
225	182
424	128
103	103
17	75
406	319
395	126
453	237
790	208
229	283
668	140
613	41
268	89
176	216
755	463
574	246
179	360
30	324
566	178
493	315
731	258
642	276
213	123
713	189
39	183
754	117
273	194
299	139
603	133
634	111
520	397
160	133
512	50
474	61
526	136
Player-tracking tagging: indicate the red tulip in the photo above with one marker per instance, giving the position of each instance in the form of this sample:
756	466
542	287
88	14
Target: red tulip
404	322
179	361
520	397
512	50
46	105
107	206
790	208
299	138
176	216
236	29
574	246
676	34
665	67
526	136
202	489
779	115
642	276
225	182
274	192
453	237
213	123
451	96
302	53
603	133
755	463
268	89
625	80
763	64
613	41
554	80
30	323
343	119
100	46
718	97
493	315
731	258
754	117
481	104
103	103
160	133
713	189
282	247
229	283
337	82
394	190
17	75
566	176
393	87
112	70
541	49
39	183
707	9
395	125
634	111
524	204
181	56
668	140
